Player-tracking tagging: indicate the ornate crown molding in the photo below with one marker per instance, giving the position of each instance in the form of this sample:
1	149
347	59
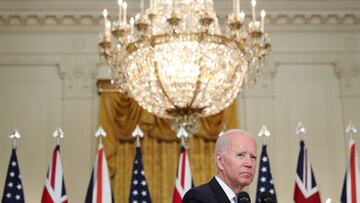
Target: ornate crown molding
86	14
94	20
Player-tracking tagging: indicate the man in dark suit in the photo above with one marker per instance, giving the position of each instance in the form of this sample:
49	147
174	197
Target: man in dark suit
235	158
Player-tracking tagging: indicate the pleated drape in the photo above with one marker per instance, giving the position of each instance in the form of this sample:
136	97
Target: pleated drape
119	115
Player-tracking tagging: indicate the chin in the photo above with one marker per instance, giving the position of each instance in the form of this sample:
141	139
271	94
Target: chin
246	182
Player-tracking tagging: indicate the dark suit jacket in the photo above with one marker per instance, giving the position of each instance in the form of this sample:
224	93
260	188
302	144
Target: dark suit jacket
210	192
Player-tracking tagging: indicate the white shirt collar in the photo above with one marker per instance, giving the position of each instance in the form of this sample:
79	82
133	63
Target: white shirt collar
228	191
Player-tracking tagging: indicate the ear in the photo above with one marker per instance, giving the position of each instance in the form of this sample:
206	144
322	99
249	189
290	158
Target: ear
219	161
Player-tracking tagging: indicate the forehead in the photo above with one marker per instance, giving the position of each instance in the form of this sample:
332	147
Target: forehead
238	142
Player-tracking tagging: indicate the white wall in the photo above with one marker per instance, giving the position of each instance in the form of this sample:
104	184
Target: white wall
49	64
46	82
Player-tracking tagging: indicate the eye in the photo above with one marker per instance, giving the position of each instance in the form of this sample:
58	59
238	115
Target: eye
253	157
241	155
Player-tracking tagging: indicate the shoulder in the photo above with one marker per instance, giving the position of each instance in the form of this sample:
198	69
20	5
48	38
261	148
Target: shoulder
199	194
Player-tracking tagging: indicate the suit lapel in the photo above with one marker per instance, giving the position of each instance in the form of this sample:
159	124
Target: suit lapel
219	192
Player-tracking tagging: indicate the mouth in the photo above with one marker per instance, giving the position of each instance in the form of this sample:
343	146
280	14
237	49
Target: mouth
246	174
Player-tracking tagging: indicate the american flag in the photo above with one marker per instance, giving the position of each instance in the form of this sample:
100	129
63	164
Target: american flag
99	190
139	192
306	190
351	188
13	190
54	190
265	181
183	181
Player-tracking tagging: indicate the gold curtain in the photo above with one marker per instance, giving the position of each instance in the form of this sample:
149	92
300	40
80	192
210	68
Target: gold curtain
119	116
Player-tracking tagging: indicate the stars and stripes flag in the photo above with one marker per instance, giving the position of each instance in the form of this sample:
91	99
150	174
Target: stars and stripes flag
139	192
183	181
265	181
13	190
306	190
99	190
54	190
351	188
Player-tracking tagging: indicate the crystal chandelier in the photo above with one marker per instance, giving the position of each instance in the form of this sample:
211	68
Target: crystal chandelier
174	61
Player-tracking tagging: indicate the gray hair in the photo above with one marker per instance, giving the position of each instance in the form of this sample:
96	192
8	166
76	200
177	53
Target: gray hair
222	141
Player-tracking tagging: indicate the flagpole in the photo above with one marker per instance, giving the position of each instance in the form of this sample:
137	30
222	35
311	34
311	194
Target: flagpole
58	134
137	134
100	134
182	134
351	130
264	133
14	136
300	130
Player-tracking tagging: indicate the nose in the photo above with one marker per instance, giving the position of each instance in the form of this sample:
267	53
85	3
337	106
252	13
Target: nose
248	161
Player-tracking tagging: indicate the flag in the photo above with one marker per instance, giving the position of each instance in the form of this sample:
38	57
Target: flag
183	181
99	190
265	181
139	191
306	190
13	190
351	188
54	190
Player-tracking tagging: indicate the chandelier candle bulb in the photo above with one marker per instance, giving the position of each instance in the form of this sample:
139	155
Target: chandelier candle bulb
142	7
120	2
263	14
242	16
107	27
105	14
234	7
237	6
173	6
132	21
205	8
125	13
253	4
107	34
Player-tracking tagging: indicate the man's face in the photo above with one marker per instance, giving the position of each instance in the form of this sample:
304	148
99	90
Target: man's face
238	164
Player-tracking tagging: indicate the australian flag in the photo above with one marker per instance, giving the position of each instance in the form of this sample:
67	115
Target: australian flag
139	190
13	191
265	181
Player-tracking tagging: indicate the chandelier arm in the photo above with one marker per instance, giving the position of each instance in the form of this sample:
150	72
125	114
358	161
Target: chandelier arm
162	86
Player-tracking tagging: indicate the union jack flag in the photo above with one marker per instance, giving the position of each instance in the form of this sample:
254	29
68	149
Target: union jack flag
351	188
183	181
54	190
306	190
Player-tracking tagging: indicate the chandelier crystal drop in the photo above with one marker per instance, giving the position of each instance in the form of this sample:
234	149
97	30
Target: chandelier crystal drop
173	59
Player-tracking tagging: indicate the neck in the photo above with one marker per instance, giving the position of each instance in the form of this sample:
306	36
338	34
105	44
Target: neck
236	188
